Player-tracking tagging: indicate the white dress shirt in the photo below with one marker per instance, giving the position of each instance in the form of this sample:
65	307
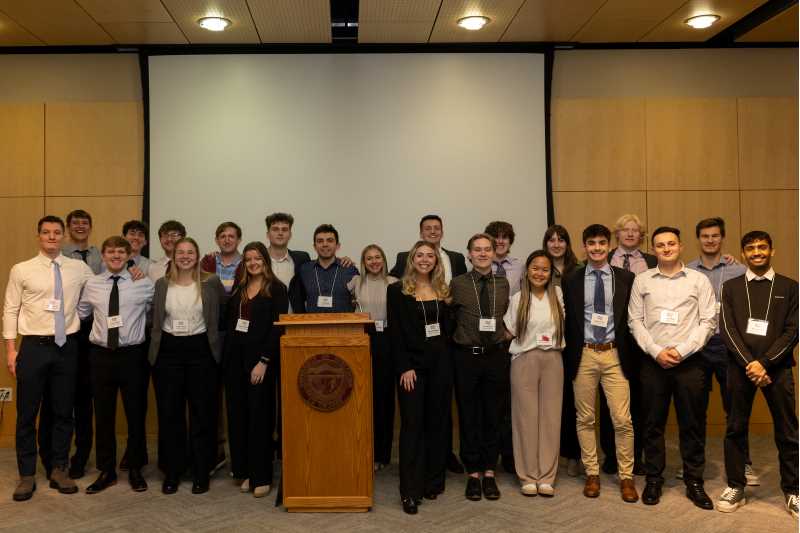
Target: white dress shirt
283	268
157	269
31	284
448	269
768	275
540	322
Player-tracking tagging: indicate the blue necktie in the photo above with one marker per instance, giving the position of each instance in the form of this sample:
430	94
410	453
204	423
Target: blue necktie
58	294
599	304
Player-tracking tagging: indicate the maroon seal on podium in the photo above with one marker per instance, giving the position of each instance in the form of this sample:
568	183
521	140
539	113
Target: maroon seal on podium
325	382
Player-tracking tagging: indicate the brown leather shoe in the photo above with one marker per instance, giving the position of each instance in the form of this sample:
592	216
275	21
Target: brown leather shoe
592	487
25	488
61	481
628	489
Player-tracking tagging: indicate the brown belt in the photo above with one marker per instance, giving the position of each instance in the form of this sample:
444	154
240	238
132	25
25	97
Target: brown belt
600	347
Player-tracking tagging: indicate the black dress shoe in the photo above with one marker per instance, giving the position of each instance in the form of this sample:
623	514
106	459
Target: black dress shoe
473	491
77	470
105	480
454	465
696	493
652	493
490	490
409	506
170	485
199	486
135	478
609	466
508	464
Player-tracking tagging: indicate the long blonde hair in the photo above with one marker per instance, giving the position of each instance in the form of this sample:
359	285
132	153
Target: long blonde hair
197	273
526	293
437	275
384	272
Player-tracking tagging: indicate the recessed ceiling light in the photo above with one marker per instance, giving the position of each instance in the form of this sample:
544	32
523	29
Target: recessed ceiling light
473	23
702	22
214	23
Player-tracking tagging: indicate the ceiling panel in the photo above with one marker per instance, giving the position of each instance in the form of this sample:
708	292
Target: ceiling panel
674	28
545	20
56	22
292	21
145	32
126	10
780	28
626	20
396	21
12	34
187	12
446	29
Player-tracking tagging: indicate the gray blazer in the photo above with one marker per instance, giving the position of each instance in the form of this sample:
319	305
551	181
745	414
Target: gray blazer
213	296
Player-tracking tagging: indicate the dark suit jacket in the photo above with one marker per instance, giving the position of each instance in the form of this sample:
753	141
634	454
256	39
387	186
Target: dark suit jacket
649	259
573	290
297	294
262	337
407	329
457	263
213	296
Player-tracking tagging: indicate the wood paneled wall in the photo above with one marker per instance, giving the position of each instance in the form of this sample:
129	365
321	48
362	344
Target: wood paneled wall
56	157
674	161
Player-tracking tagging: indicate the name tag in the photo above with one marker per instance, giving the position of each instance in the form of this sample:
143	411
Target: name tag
114	322
432	330
757	327
668	317
180	326
599	320
379	325
487	324
228	284
719	306
52	305
242	325
324	301
543	340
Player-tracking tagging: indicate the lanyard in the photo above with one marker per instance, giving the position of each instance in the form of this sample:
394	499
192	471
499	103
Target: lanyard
316	275
747	289
425	315
494	296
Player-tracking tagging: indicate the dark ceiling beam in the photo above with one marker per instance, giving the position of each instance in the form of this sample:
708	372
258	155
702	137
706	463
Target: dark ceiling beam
756	17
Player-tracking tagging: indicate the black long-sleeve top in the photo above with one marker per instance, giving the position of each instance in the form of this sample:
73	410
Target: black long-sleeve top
262	338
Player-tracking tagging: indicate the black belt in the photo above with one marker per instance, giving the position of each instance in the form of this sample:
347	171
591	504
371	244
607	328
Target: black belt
45	339
479	350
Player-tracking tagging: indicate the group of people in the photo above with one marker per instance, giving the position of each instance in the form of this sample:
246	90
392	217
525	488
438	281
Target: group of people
525	347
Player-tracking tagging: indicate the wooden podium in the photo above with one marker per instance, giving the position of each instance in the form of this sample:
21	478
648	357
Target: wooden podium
326	395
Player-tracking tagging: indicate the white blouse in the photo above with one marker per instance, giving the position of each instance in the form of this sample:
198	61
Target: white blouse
540	333
184	303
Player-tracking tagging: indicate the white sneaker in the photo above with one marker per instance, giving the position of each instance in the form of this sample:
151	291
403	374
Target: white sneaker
751	476
575	468
245	486
261	491
529	489
730	500
791	504
546	489
679	473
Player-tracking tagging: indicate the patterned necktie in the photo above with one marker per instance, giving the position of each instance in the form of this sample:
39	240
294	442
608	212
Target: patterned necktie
500	270
626	263
599	305
113	310
58	316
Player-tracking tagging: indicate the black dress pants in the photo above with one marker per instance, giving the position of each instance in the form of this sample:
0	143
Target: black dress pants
123	370
481	381
251	417
781	403
383	395
423	418
45	373
186	373
684	383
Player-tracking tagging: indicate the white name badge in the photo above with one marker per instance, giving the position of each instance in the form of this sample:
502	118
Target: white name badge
757	327
324	301
242	325
228	284
599	320
432	330
379	325
668	317
719	306
114	322
180	326
52	305
487	324
543	340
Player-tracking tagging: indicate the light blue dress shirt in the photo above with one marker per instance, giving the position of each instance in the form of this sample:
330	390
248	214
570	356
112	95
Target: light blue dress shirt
589	281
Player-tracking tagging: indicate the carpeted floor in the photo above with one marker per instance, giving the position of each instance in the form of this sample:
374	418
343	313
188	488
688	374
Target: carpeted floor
225	509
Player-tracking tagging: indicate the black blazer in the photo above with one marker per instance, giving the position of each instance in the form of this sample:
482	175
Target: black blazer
407	329
649	259
573	290
457	263
262	337
297	294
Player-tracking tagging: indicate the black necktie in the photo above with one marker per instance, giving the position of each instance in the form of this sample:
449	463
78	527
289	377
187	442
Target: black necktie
113	310
486	311
626	263
500	270
84	254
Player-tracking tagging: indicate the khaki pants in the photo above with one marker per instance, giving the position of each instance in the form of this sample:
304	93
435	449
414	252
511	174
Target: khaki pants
537	383
604	368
